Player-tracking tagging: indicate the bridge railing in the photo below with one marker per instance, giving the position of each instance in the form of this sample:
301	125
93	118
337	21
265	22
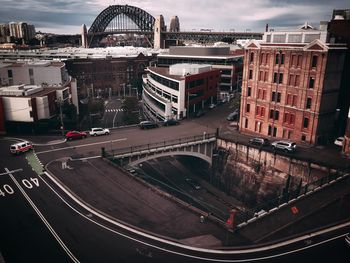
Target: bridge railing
289	195
161	144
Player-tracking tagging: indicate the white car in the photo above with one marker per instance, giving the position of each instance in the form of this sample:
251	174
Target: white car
99	131
339	141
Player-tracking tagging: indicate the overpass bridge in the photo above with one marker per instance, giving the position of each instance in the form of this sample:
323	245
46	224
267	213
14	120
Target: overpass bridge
200	146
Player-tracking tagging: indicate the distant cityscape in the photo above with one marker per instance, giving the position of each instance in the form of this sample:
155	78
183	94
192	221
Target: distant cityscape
258	147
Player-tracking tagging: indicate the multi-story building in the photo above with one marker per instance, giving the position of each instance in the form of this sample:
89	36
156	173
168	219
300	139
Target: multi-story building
4	33
229	63
33	73
179	91
106	76
32	91
21	30
291	84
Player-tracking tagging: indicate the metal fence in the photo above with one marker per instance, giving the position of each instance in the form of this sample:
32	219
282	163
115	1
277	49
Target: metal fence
155	145
288	195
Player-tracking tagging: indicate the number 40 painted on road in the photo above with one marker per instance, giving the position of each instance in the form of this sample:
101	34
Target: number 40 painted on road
31	182
7	189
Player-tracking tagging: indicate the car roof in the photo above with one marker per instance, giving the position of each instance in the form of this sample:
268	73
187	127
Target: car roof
19	143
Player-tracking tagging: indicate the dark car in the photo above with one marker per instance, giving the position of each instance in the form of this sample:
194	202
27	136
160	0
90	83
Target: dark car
71	135
233	115
170	122
259	141
147	125
199	113
193	183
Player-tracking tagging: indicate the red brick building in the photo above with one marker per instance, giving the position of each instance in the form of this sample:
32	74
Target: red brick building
290	90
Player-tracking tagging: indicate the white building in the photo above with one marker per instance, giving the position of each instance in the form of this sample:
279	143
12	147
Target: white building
179	90
33	90
30	103
33	73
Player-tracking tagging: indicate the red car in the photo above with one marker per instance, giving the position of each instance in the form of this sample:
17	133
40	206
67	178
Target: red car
71	135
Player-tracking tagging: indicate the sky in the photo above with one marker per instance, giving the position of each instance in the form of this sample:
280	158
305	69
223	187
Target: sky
67	16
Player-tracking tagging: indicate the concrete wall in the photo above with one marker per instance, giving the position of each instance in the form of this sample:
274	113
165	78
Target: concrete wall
256	176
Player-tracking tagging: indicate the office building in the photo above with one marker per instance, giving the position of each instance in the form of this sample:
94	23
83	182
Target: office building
179	91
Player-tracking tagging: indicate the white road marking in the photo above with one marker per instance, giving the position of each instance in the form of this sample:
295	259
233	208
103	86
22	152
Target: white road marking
115	115
13	171
175	244
80	146
43	219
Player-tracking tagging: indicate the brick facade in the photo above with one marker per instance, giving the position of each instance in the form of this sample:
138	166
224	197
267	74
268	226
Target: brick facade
290	91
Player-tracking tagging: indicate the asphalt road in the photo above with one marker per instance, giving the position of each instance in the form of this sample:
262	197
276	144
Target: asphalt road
40	225
113	115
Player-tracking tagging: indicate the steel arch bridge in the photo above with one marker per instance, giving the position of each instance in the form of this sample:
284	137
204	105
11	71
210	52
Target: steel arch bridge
121	19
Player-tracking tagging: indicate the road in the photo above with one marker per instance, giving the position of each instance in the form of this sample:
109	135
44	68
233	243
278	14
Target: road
41	223
113	115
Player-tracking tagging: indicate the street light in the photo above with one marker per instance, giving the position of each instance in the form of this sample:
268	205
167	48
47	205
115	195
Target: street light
59	101
188	102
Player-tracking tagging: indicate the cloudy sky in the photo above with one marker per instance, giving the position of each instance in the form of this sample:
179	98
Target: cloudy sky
66	16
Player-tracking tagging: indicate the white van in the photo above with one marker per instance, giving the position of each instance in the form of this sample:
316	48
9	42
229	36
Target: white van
21	147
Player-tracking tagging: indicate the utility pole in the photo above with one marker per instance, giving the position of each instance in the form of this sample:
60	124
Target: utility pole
61	116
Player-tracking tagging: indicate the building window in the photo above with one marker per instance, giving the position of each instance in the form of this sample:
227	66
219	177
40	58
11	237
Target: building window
250	74
275	76
30	103
274	114
314	61
251	59
31	114
303	137
289	118
277	59
272	131
306	123
299	61
249	91
280	78
276	96
248	108
294	100
311	82
282	59
9	73
246	123
308	103
258	126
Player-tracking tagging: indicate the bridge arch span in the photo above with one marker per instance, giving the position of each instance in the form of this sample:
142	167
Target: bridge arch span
140	17
164	154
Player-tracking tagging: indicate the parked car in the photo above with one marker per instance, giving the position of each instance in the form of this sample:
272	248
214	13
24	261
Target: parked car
99	131
199	113
21	147
286	146
148	125
233	115
193	183
339	141
212	106
71	135
259	141
171	122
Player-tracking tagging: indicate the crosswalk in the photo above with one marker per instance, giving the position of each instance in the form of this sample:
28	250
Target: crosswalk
114	110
